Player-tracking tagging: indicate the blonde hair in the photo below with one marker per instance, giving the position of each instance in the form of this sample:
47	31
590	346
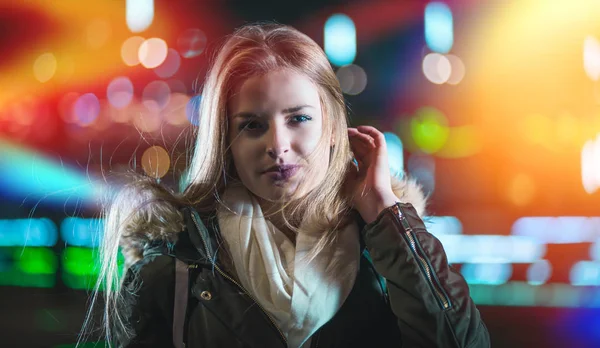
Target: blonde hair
144	210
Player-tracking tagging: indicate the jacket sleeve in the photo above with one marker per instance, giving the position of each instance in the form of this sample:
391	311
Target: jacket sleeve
429	298
143	293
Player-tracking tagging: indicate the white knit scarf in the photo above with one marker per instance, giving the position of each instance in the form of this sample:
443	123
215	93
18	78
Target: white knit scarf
300	297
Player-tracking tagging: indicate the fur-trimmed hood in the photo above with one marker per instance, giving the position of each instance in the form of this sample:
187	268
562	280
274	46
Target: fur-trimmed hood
163	221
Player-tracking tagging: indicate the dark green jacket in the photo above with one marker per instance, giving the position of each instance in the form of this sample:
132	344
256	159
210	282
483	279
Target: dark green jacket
405	294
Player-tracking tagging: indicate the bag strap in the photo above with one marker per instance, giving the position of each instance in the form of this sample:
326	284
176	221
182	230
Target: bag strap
180	303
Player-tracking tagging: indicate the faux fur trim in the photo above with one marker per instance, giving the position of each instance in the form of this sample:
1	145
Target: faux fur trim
162	221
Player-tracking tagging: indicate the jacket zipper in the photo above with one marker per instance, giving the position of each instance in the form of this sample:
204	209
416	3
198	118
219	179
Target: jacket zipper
224	274
440	294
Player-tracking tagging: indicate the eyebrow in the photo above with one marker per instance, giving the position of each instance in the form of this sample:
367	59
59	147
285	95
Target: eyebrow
245	114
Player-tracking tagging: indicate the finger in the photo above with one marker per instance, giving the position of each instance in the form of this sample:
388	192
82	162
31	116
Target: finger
377	136
363	138
360	147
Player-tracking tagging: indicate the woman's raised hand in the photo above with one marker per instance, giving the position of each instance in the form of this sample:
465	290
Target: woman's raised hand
370	186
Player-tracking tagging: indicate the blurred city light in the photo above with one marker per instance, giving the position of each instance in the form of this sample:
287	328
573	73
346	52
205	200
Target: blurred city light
44	67
429	128
130	50
539	272
156	95
175	111
192	110
591	57
170	66
486	273
439	32
352	78
590	165
340	40
191	43
443	225
437	68
98	32
120	92
521	189
28	176
395	152
457	69
153	52
492	249
28	232
86	109
82	232
558	230
156	162
139	14
585	273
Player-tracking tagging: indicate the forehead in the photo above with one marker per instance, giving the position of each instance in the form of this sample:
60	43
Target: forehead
273	92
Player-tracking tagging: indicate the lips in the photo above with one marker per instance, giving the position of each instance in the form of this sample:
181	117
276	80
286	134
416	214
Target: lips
281	173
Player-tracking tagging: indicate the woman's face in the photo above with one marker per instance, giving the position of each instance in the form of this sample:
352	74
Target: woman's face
275	122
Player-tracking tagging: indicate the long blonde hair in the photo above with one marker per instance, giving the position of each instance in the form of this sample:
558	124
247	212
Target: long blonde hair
144	210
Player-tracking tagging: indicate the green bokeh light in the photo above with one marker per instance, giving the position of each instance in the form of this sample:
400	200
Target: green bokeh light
429	129
35	260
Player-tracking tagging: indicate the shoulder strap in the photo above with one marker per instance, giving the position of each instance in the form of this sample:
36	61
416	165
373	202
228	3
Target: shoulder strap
180	303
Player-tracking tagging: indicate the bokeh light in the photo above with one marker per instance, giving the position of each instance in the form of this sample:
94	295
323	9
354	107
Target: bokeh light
139	14
340	39
590	165
98	32
591	57
487	273
153	52
130	50
429	128
120	92
539	272
175	111
192	110
191	43
86	109
395	152
457	69
44	67
170	66
156	95
439	31
145	119
352	78
442	225
521	189
156	162
585	273
437	68
28	232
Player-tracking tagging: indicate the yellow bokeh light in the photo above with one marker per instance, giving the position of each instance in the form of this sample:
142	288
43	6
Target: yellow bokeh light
97	33
156	162
130	50
521	189
153	52
44	67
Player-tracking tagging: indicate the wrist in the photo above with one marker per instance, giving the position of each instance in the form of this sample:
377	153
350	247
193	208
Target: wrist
377	205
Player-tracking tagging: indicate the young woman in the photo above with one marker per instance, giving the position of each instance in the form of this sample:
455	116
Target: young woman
290	231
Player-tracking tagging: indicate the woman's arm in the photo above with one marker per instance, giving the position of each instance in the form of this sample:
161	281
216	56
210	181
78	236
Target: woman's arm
430	299
144	291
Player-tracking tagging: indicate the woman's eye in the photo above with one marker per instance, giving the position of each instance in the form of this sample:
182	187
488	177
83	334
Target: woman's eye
250	125
301	118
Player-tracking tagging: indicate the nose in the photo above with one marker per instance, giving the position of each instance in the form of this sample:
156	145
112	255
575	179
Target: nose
278	141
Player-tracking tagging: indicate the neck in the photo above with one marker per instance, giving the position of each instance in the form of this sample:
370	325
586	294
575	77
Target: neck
272	212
